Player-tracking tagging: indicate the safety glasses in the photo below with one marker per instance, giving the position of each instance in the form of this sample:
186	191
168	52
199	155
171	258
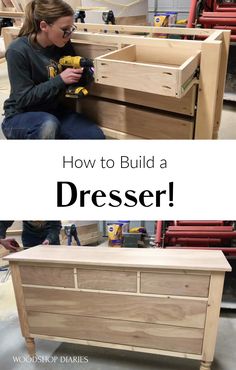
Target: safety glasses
67	32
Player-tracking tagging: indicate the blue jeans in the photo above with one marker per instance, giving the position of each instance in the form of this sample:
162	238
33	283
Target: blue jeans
43	125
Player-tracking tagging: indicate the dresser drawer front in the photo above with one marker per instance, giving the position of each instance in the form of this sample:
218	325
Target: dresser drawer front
48	276
133	120
120	281
170	311
187	340
175	284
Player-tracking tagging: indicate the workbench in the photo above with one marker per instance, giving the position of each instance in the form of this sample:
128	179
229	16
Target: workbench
158	301
151	87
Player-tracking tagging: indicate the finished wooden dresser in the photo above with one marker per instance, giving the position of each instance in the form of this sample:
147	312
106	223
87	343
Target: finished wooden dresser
161	301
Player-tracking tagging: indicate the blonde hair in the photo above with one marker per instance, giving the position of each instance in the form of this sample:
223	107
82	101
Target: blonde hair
43	10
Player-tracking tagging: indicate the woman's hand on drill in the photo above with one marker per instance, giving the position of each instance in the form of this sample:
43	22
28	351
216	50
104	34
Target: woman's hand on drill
71	75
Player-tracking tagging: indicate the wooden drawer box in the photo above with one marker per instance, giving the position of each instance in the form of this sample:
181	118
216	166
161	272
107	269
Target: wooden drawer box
142	68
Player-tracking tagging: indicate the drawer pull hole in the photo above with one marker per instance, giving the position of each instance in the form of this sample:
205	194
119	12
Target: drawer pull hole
166	87
104	77
103	64
167	73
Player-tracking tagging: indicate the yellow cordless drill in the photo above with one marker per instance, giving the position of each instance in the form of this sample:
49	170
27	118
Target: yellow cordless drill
75	90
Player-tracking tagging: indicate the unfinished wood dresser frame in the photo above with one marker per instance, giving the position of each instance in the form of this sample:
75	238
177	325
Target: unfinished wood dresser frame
158	301
133	114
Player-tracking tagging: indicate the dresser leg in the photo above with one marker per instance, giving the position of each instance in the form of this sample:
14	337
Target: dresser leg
205	365
30	346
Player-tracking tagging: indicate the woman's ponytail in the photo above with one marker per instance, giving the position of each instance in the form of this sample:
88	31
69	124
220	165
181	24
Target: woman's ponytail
30	26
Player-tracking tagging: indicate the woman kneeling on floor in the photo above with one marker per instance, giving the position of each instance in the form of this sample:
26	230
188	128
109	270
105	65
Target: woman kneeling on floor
34	109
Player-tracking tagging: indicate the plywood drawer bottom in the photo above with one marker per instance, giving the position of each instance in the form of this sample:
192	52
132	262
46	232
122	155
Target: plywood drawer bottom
128	333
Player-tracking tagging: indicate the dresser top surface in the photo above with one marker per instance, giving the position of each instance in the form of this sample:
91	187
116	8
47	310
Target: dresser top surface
125	257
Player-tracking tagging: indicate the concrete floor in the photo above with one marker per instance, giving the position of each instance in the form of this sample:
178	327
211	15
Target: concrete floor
13	348
228	121
227	126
